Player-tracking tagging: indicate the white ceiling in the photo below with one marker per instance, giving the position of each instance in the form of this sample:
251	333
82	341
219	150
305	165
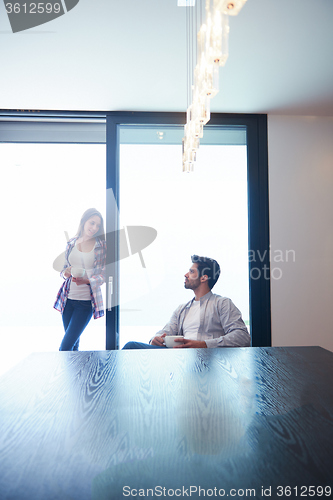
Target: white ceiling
131	55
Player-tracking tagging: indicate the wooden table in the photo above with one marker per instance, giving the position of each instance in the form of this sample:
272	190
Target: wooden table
112	425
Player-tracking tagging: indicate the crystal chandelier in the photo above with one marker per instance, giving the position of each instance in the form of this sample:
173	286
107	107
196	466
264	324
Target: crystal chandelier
211	53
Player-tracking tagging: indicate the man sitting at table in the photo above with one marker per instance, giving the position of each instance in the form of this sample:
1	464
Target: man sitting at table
208	320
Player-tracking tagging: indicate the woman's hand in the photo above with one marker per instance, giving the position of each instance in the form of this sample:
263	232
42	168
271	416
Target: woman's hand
68	272
81	281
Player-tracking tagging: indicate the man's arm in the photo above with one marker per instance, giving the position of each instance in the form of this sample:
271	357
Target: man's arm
236	333
188	344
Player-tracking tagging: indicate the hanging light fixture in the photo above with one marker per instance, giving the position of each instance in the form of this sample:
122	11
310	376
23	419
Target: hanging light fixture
211	53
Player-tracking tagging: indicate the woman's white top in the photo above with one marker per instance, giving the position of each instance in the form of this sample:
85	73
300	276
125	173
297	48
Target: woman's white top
192	321
83	260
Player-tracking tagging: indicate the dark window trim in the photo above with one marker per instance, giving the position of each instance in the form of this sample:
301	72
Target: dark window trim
256	126
51	114
56	127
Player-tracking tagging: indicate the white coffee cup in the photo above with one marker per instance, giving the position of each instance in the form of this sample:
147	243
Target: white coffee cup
77	272
169	340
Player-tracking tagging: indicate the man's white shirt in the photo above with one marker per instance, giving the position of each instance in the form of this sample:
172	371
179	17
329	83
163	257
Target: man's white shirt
192	321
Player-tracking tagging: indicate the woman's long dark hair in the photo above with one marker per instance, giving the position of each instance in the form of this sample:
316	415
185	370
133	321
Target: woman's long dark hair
86	216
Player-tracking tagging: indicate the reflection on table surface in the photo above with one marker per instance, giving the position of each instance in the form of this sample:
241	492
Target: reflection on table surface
86	424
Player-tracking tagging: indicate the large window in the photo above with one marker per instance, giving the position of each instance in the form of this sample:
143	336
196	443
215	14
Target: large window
46	186
54	166
221	210
204	212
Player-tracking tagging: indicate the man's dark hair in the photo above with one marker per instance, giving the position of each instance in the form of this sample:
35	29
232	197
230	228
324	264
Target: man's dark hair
209	267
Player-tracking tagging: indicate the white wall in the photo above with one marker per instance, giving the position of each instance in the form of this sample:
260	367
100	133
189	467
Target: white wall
300	153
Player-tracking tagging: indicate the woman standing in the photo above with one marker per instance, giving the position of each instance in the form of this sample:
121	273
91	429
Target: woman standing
80	295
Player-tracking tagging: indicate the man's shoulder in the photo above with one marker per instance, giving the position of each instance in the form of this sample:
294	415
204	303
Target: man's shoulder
217	298
221	301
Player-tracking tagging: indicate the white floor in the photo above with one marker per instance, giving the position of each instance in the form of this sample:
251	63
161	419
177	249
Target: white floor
18	343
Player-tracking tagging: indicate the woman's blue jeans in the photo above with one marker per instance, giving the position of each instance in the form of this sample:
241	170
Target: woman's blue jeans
76	316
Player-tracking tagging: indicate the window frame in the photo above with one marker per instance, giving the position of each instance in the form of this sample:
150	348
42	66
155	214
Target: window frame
258	210
258	194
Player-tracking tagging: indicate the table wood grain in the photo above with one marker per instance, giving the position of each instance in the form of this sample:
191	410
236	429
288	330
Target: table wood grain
84	425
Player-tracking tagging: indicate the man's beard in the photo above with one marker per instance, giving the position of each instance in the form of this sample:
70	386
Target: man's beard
192	285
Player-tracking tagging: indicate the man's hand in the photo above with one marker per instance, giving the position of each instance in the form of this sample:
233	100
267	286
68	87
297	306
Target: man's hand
187	343
159	341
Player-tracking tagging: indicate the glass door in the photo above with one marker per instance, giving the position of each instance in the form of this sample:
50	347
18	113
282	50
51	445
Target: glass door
221	211
204	212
